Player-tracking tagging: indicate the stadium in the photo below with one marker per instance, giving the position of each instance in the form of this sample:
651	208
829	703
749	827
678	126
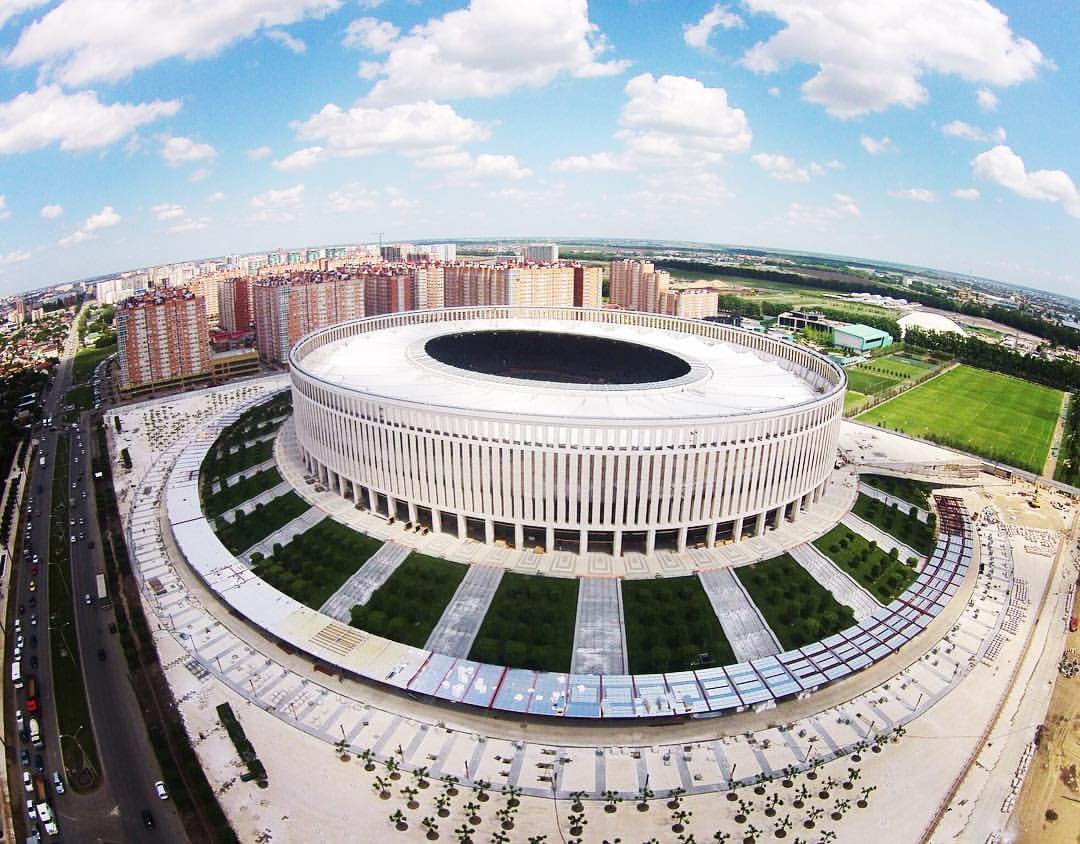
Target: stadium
567	429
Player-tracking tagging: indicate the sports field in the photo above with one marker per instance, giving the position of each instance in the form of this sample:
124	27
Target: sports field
988	414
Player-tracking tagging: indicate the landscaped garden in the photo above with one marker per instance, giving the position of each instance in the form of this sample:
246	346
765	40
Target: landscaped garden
909	530
530	623
243	490
315	563
671	626
797	608
987	413
883	575
913	492
249	528
410	603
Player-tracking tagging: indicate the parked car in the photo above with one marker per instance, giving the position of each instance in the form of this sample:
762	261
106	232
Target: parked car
159	787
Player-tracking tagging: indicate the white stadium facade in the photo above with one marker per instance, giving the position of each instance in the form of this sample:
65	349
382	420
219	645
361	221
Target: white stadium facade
566	428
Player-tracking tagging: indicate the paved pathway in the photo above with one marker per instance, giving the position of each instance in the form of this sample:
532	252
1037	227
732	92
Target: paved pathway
455	631
359	588
284	534
901	505
249	472
262	498
838	582
599	634
746	631
885	541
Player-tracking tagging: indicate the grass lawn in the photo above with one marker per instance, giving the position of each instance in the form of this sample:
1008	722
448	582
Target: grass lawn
407	607
530	623
235	495
862	381
670	624
907	529
852	398
82	397
261	522
797	608
883	575
913	492
85	361
986	413
313	566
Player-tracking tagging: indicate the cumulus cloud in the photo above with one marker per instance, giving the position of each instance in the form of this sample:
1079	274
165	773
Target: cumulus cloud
846	204
960	129
820	218
51	212
301	159
83	41
280	205
289	42
370	34
103	219
914	194
355	196
1004	167
190	224
217	196
178	150
784	168
487	49
167	211
17	256
4	212
986	99
258	153
697	34
77	122
871	56
966	193
464	167
876	146
596	162
11	8
200	175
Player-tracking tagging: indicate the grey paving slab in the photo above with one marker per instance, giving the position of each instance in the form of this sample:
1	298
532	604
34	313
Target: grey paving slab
359	588
284	534
901	505
599	633
838	582
262	498
884	540
455	631
747	633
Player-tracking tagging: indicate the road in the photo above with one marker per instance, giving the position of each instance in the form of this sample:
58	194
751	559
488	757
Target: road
112	812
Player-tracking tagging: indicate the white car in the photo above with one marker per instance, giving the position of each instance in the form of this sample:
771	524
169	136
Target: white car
30	810
58	784
159	787
27	781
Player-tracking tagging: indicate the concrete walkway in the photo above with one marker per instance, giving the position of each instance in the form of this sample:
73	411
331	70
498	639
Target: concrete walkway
885	541
262	498
888	500
748	634
359	588
249	472
284	534
455	631
253	441
599	632
842	586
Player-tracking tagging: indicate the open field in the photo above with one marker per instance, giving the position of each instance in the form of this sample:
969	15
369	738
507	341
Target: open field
986	413
853	399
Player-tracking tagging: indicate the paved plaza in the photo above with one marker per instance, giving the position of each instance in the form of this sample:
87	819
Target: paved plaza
745	629
842	586
599	630
359	588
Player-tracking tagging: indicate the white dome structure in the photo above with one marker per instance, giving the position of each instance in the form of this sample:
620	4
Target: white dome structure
930	322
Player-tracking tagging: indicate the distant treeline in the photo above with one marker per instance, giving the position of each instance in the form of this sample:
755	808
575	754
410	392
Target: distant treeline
1068	462
1060	373
1060	335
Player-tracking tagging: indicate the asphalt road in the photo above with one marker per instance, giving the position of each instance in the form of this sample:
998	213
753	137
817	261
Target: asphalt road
112	812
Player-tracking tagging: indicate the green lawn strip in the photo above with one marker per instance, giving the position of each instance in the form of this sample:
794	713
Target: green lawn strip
883	575
917	535
241	491
670	624
315	563
82	397
219	465
797	608
88	358
77	742
897	367
261	522
862	381
409	604
853	399
530	623
987	413
913	492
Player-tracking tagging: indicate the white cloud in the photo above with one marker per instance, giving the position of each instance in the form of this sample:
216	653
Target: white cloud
191	224
846	204
177	150
960	129
15	257
259	153
370	34
871	56
4	212
596	162
277	205
362	130
289	42
217	196
82	41
774	91
820	218
1004	167
784	168
354	196
200	175
986	99
690	188
77	122
465	168
11	8
301	159
167	211
103	219
966	193
914	194
490	48
876	146
51	212
697	34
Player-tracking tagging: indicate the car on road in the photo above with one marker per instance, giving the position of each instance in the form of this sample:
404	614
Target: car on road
33	620
30	810
18	721
27	781
86	598
32	585
148	819
159	787
24	757
58	783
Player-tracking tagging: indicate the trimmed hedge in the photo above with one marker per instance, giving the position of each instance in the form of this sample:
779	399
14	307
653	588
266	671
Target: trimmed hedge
907	529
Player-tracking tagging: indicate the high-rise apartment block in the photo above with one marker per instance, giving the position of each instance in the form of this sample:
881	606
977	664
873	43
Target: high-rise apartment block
540	253
520	284
692	303
234	295
163	340
638	286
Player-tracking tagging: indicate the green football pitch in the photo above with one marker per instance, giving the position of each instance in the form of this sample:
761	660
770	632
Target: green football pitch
988	414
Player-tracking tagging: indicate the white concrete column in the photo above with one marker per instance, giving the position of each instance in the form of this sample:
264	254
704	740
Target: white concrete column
736	532
710	534
616	546
489	531
391	507
795	510
778	519
759	526
519	535
680	543
462	527
413	516
583	542
549	539
436	521
650	541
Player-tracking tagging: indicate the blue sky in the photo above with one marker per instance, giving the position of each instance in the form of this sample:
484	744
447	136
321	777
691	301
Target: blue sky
935	132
